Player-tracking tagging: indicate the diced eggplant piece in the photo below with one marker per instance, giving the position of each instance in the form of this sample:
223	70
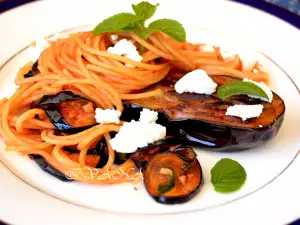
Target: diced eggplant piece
43	164
200	119
68	112
169	182
34	70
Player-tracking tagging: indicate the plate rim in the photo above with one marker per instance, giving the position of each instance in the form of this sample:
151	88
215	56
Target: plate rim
66	212
7	61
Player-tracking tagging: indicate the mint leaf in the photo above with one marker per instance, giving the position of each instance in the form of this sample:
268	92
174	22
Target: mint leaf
118	22
170	27
227	175
144	10
240	88
144	33
168	185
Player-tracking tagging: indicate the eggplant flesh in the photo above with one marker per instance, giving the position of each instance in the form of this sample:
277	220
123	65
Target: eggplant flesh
61	124
143	155
181	191
200	119
50	103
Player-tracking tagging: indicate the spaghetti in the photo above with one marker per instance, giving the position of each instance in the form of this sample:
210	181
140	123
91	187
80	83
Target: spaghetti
81	64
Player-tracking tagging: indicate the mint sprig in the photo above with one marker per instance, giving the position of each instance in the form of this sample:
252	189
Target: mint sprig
136	23
227	176
240	88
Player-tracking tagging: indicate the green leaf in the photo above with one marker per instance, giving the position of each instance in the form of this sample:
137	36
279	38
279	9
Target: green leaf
240	88
227	175
170	27
144	33
168	185
144	10
118	22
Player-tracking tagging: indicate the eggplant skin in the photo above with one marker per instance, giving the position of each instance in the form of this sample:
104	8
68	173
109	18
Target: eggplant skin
180	199
33	72
48	100
43	164
121	157
143	155
57	119
225	138
212	136
200	119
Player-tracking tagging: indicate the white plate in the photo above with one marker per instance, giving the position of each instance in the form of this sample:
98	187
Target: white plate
262	164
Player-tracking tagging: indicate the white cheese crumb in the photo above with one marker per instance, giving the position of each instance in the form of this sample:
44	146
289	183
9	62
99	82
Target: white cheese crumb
245	111
265	88
260	126
148	116
196	81
135	134
127	49
207	48
114	37
107	116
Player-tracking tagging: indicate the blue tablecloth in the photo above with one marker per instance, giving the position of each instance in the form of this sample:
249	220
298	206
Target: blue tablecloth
288	10
291	5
